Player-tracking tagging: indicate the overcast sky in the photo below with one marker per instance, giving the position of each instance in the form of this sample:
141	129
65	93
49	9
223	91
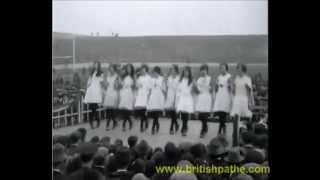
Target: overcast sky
139	18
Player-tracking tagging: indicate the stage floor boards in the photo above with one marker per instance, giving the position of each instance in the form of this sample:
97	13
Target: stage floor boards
157	140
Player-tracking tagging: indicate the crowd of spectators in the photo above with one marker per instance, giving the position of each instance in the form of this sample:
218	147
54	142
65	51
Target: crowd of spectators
103	158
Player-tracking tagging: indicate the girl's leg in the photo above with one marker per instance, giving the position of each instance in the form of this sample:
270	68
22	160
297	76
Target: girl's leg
141	115
113	117
146	120
170	115
91	115
129	119
123	115
184	118
220	116
152	115
204	119
157	121
107	115
224	116
94	116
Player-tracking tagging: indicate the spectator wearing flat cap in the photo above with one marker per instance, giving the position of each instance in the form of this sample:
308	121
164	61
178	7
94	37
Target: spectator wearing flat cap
95	140
172	154
75	138
261	144
59	161
132	142
249	150
150	168
142	150
105	141
185	147
118	142
246	141
87	152
137	166
83	132
122	157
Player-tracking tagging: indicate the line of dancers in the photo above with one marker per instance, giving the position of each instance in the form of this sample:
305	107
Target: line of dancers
148	93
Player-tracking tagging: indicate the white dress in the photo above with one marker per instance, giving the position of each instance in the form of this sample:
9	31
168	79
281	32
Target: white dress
126	94
185	101
94	90
223	96
111	98
204	98
240	104
172	85
143	84
156	99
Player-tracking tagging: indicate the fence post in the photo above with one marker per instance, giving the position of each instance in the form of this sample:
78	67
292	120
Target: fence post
79	111
65	117
71	115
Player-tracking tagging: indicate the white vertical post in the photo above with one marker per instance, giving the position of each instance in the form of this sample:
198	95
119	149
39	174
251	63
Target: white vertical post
73	54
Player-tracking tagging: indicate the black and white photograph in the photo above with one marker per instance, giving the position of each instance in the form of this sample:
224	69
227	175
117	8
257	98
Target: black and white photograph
160	90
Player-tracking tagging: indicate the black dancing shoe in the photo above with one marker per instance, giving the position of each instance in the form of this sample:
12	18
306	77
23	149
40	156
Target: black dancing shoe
171	132
184	133
177	128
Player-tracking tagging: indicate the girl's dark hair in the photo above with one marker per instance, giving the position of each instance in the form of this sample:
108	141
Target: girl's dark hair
243	67
225	65
126	71
99	71
144	66
204	67
186	68
157	70
175	68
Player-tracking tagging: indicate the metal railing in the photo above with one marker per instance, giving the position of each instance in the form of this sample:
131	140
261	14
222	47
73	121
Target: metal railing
67	115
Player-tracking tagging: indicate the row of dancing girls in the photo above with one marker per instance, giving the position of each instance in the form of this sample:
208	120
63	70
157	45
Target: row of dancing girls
148	94
226	96
122	92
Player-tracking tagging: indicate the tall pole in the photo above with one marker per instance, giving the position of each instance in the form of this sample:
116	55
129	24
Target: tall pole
74	53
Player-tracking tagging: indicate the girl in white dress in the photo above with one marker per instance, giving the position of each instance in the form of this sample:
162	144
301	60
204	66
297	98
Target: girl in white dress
204	98
222	103
170	104
242	100
156	99
185	104
126	94
93	95
111	98
143	90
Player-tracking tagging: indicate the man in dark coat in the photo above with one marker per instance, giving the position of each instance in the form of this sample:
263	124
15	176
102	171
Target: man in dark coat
122	159
86	151
59	161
